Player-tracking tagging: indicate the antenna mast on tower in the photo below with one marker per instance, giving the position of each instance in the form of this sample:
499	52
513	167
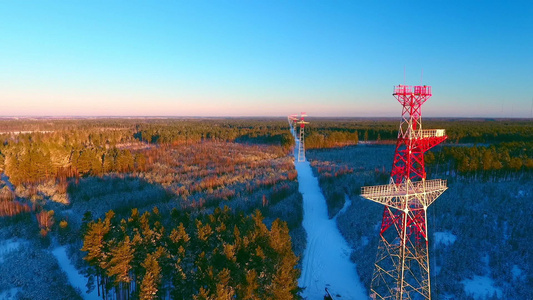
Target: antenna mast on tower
401	270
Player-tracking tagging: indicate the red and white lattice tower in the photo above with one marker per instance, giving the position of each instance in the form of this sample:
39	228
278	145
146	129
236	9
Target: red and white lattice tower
301	141
401	270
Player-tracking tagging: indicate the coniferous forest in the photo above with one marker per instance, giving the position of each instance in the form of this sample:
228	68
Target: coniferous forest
155	209
170	208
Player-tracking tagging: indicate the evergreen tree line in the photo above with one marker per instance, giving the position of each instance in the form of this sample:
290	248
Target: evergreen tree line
189	132
222	255
330	139
12	125
158	130
328	132
505	157
36	162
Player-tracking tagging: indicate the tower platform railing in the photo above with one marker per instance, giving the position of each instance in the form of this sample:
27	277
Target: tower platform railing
405	188
429	133
412	90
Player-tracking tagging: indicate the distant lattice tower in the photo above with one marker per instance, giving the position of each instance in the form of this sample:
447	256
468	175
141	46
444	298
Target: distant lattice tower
401	270
301	144
292	119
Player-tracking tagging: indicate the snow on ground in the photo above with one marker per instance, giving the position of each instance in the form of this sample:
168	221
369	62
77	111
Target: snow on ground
517	272
9	294
8	183
481	287
445	238
6	247
347	203
76	279
326	260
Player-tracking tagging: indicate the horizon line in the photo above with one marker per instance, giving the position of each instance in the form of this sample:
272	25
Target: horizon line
237	117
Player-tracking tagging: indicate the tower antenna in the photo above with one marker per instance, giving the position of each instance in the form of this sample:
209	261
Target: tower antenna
403	74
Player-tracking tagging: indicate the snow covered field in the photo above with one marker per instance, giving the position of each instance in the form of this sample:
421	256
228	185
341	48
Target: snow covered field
445	238
9	294
326	260
8	246
481	287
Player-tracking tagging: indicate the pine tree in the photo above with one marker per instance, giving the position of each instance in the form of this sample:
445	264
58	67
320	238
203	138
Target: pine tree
249	291
83	162
152	278
93	244
203	231
179	235
284	283
203	294
119	265
224	291
179	242
140	162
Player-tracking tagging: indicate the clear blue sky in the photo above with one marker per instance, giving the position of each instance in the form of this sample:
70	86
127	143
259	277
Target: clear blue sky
264	58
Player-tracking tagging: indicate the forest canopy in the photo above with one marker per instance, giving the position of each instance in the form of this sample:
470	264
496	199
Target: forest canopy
222	255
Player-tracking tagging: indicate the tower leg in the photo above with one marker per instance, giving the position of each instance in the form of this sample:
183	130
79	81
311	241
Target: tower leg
401	270
301	148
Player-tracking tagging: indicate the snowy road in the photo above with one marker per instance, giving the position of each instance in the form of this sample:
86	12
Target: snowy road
326	260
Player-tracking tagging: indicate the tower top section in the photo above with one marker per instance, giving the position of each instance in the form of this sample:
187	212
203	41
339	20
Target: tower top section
408	90
413	97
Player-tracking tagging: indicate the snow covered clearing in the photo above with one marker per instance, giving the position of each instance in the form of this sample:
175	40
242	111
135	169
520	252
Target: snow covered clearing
326	260
517	273
4	178
9	294
446	238
481	287
6	247
347	203
76	279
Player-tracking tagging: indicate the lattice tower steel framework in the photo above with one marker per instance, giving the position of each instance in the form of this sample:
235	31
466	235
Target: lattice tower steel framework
401	270
301	140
